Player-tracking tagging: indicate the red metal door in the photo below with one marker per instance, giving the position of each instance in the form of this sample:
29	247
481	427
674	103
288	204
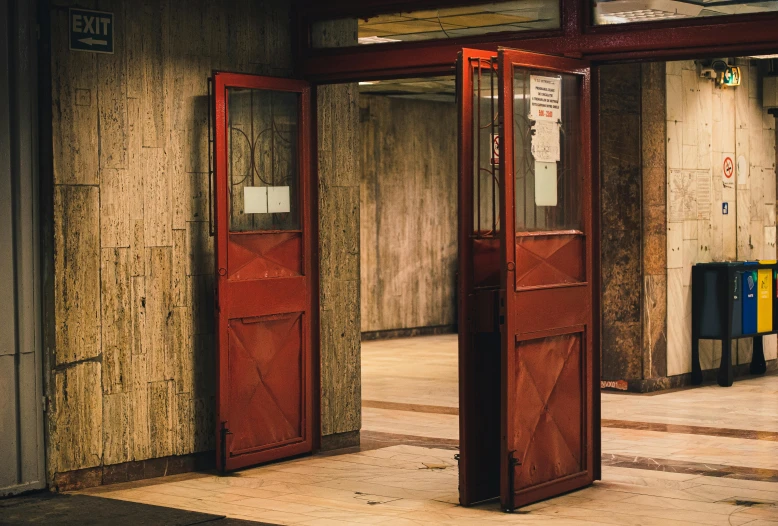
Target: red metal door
546	298
479	277
264	269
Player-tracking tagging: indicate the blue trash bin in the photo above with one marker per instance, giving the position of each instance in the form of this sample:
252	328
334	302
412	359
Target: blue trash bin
749	278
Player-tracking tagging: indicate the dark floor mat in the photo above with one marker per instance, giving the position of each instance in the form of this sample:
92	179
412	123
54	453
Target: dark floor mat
84	510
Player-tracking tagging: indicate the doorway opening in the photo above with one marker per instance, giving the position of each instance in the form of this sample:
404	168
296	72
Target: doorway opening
408	262
688	176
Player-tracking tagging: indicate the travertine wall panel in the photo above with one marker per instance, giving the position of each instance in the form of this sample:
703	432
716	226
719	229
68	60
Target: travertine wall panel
339	259
337	107
408	213
705	124
134	349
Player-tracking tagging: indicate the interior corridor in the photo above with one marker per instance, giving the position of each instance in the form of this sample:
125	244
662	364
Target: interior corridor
696	456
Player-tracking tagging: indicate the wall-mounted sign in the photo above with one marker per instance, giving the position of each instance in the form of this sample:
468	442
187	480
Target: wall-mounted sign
728	169
725	208
91	30
731	76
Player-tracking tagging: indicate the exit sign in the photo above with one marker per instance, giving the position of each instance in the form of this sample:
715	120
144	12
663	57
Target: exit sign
91	31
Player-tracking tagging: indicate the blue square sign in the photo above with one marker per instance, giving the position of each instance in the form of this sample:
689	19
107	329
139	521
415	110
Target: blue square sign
725	208
91	30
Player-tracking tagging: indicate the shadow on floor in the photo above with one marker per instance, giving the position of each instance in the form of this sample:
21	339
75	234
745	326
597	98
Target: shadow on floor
56	508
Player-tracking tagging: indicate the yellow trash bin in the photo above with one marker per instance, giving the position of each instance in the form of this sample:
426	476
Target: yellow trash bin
764	298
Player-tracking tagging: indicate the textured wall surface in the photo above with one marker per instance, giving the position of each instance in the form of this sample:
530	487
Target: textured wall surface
654	229
338	152
704	124
408	213
620	165
133	358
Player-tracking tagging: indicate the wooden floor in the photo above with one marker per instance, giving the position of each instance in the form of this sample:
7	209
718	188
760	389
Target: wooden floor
697	456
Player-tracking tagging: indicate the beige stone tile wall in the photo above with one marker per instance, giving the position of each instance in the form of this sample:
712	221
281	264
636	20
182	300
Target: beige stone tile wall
705	124
132	362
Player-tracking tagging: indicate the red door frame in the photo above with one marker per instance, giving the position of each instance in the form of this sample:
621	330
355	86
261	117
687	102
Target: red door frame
536	323
227	298
478	474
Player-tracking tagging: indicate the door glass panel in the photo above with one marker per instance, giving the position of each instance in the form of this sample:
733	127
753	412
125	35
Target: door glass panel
486	159
547	156
262	160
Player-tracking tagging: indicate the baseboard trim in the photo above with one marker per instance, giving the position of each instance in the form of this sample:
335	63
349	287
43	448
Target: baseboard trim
409	332
130	471
657	385
340	440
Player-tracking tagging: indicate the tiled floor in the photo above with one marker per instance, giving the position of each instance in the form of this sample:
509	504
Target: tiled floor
700	456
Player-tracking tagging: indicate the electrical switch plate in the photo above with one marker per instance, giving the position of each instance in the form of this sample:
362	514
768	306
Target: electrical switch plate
255	200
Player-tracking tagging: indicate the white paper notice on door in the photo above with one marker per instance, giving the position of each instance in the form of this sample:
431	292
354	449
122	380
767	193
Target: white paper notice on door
545	98
255	200
545	141
545	184
278	199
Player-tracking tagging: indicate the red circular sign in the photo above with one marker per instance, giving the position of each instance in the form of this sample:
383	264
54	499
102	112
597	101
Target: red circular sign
729	167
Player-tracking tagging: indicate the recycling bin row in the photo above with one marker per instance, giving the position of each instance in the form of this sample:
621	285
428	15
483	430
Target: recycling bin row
754	291
730	300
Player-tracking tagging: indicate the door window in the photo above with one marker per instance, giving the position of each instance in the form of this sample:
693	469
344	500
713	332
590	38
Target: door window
262	159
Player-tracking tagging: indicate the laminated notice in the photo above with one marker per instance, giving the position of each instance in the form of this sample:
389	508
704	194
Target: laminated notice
545	98
545	142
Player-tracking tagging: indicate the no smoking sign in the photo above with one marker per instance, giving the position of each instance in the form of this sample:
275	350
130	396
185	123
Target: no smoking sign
728	169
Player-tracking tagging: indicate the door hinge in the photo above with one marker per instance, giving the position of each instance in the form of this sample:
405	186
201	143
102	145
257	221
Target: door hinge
45	402
224	432
513	463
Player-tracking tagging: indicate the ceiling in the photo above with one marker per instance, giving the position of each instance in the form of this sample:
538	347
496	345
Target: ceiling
456	22
439	89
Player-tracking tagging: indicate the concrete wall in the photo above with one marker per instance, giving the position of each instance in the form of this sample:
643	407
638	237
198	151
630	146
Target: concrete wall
704	124
408	213
338	155
132	357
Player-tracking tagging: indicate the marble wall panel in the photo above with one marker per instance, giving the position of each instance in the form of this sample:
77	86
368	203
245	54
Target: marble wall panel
705	124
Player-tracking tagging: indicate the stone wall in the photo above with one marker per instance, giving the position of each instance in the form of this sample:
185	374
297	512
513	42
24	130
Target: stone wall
338	155
408	207
704	125
132	357
632	157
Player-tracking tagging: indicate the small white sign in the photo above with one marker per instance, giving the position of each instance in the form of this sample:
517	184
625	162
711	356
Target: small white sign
545	184
545	98
545	142
278	199
255	200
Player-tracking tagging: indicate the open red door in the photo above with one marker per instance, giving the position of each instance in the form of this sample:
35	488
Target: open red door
548	363
264	269
479	277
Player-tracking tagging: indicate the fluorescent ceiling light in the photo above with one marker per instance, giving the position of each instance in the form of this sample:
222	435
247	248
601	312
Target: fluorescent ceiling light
366	83
763	57
621	11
